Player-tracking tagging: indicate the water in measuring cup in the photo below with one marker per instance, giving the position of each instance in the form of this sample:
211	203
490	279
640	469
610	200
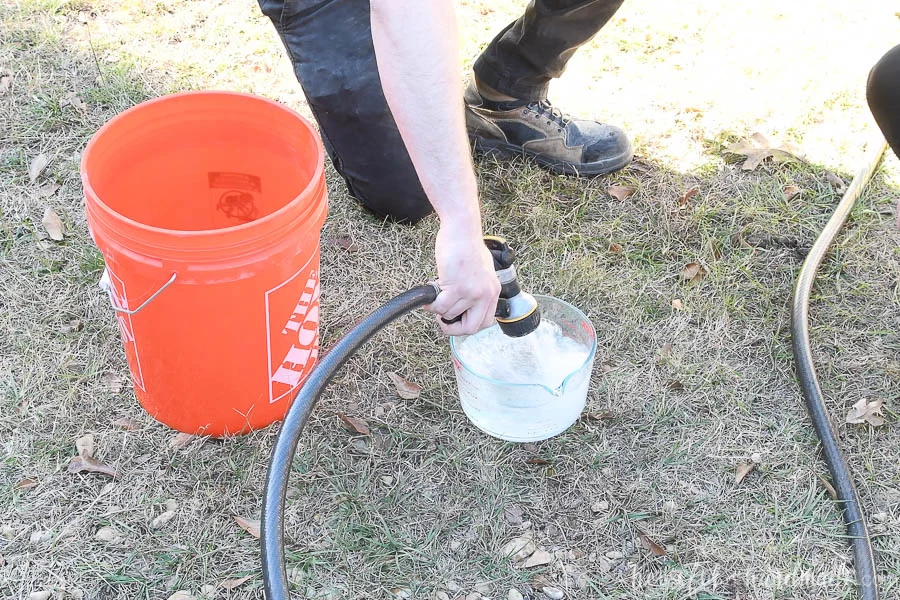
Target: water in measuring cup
545	356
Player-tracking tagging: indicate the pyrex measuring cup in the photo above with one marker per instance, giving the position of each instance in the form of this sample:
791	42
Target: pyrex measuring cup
527	412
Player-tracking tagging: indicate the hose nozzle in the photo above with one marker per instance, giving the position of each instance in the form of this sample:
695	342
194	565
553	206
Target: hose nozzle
517	312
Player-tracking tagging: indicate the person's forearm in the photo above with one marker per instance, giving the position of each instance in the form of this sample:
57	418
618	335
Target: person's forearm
418	61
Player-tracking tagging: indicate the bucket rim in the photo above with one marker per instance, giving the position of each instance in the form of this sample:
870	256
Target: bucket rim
565	382
318	172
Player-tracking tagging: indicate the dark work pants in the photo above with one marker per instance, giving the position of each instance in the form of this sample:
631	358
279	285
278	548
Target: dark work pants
330	45
883	95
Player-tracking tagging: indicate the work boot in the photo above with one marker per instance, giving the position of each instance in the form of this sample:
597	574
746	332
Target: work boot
555	141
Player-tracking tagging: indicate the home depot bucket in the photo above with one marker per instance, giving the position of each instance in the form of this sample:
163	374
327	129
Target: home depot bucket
207	207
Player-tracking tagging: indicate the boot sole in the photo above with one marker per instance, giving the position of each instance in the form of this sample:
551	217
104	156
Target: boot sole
488	146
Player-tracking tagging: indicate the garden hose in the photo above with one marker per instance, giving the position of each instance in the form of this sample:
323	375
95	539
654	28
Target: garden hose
863	556
272	523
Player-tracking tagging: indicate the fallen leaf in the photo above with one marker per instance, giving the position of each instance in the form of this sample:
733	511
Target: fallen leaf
654	548
251	526
42	595
230	584
85	446
637	165
180	440
866	412
828	487
540	582
836	182
53	224
518	549
603	415
126	423
360	445
620	192
182	595
540	557
758	148
72	99
383	408
674	385
553	593
483	588
615	248
343	242
685	197
405	388
536	460
677	304
693	272
743	469
48	189
791	192
26	484
354	424
39	537
5	84
665	351
162	518
82	464
109	534
113	382
37	166
513	514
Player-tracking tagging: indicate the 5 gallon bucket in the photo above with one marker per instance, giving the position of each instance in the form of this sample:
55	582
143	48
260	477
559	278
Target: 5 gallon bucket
207	207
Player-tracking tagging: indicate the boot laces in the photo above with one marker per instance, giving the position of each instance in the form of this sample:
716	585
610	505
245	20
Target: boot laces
553	114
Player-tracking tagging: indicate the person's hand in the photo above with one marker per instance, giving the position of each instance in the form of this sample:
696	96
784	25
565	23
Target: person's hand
469	285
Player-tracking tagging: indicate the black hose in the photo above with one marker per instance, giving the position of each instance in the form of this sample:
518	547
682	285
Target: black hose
863	556
272	530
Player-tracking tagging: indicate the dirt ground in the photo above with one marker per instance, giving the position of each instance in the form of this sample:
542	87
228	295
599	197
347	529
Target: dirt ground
638	499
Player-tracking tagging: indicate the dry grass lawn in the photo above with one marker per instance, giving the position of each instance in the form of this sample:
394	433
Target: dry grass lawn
424	504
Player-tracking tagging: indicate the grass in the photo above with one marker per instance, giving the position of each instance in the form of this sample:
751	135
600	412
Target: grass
421	503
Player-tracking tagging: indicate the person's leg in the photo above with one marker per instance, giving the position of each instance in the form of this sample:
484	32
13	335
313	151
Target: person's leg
883	95
506	105
330	44
528	53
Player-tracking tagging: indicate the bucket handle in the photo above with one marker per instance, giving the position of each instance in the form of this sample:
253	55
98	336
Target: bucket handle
106	285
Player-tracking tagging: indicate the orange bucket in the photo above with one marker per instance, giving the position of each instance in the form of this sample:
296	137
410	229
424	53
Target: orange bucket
208	207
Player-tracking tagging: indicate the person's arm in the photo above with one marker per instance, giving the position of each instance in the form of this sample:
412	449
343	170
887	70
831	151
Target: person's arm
418	61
